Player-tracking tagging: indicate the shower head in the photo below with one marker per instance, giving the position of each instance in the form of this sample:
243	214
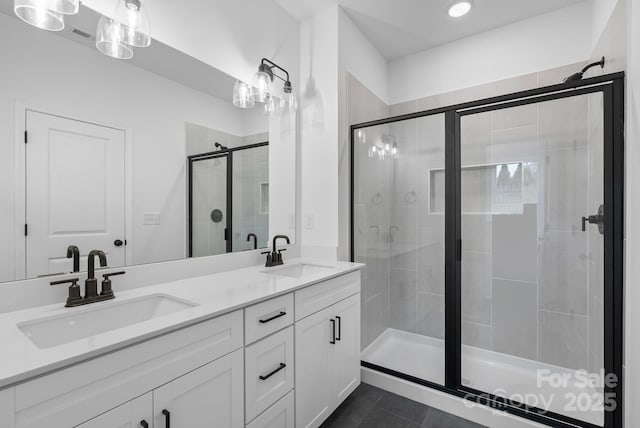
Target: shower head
578	76
220	146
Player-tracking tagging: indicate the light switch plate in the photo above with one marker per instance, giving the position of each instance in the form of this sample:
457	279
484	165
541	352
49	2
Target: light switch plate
309	221
151	219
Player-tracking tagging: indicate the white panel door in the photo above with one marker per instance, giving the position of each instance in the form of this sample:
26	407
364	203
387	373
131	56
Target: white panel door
209	397
75	192
313	369
346	352
133	414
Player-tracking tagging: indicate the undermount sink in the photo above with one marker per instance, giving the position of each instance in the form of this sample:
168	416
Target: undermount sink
92	320
299	270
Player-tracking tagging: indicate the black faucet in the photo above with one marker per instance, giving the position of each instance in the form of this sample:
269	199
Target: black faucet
274	258
255	240
73	251
91	284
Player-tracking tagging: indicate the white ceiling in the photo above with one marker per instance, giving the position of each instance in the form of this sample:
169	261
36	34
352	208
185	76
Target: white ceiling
403	27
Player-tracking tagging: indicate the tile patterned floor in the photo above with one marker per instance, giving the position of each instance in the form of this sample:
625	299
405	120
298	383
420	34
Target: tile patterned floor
370	407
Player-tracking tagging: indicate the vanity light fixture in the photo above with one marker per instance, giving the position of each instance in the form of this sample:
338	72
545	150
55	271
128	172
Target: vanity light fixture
45	14
459	9
261	91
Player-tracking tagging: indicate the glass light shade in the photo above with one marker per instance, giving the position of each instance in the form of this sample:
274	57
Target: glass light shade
109	39
39	13
288	102
132	14
261	89
67	7
242	95
272	106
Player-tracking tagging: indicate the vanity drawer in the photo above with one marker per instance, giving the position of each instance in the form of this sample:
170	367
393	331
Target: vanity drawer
322	295
267	317
268	372
280	415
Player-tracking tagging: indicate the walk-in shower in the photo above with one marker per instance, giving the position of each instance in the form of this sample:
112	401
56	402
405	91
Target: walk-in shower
487	273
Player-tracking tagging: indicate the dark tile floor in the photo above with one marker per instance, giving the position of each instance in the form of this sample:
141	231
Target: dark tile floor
370	407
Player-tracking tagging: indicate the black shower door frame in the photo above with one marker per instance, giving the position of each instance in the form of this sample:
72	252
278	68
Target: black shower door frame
227	154
611	86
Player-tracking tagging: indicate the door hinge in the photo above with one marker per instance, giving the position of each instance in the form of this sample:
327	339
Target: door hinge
26	137
26	229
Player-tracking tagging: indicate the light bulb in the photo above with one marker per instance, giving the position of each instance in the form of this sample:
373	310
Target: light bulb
261	90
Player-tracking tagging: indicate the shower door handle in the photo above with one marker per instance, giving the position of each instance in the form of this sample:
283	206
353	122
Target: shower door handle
595	219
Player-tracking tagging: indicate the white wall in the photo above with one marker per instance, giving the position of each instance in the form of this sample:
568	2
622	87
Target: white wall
319	129
601	11
230	35
361	58
82	83
632	228
539	43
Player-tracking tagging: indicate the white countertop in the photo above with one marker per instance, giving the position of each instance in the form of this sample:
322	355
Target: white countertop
215	295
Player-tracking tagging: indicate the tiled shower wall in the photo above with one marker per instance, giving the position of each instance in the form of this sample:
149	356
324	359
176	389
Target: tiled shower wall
532	281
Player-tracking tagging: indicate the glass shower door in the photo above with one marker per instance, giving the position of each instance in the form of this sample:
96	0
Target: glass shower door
209	206
399	234
532	261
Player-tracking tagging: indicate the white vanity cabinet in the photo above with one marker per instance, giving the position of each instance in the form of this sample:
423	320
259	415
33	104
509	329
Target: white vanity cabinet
282	363
203	357
327	347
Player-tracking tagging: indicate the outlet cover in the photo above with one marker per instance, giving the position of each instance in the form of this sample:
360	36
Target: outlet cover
151	219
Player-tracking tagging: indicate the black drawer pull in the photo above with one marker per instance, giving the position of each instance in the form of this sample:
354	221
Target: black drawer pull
339	328
281	314
144	424
333	329
267	376
167	418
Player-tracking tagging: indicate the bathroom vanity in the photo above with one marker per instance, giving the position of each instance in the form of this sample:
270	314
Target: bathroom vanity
253	347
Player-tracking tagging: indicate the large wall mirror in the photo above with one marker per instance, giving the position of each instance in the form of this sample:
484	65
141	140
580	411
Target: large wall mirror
146	159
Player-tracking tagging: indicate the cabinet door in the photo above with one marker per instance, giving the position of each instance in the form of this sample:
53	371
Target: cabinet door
346	352
313	369
133	414
209	397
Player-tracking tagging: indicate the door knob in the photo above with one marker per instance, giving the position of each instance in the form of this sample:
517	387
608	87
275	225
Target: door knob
118	243
595	219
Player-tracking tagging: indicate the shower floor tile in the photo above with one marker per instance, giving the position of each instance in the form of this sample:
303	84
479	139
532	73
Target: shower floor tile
370	407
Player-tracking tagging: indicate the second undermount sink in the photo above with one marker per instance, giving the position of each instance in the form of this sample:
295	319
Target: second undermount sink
103	317
300	270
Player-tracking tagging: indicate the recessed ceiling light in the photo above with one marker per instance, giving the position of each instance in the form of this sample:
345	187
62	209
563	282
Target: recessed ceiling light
459	9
